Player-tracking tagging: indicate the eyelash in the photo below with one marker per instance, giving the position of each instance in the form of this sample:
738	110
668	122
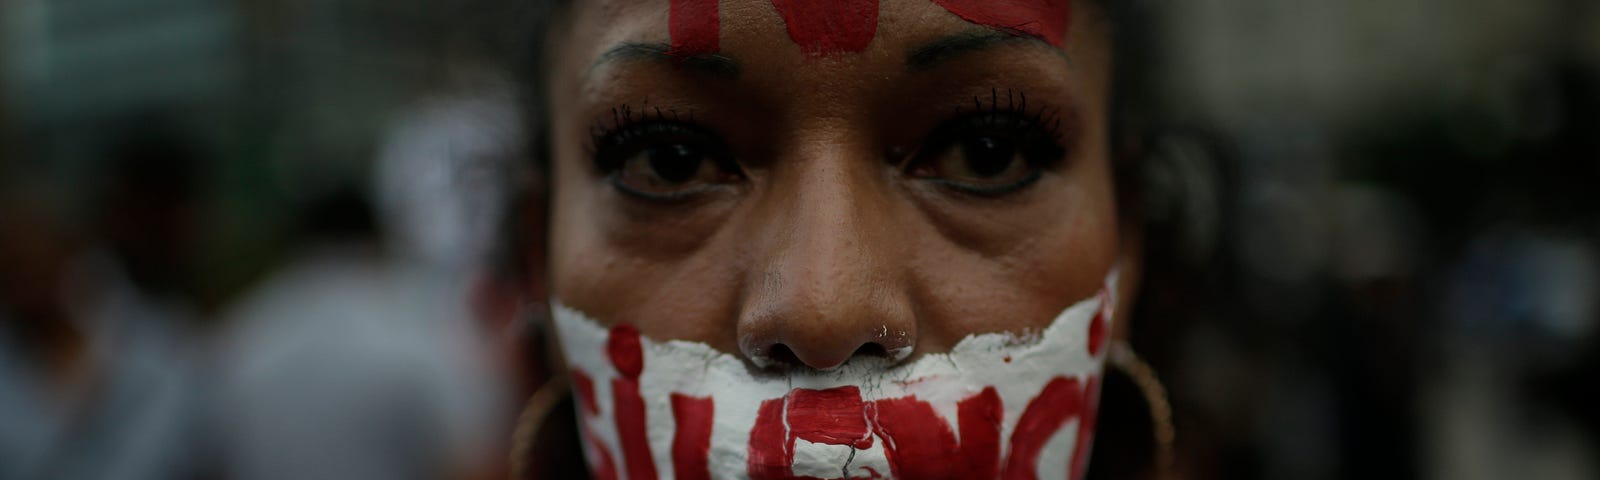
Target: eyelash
1045	121
629	132
628	126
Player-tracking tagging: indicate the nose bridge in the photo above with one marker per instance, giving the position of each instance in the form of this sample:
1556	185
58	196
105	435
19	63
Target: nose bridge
832	269
836	256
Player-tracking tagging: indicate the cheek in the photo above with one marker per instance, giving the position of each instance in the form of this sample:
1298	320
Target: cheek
583	268
1015	268
577	260
665	277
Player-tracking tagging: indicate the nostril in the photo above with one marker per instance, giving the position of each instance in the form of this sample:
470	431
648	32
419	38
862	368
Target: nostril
872	349
782	356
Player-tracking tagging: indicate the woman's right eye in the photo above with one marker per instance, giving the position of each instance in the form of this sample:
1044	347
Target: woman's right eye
665	161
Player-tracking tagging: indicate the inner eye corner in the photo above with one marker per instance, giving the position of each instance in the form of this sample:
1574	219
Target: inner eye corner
899	157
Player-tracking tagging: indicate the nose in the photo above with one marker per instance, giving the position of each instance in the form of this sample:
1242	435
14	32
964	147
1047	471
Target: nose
830	276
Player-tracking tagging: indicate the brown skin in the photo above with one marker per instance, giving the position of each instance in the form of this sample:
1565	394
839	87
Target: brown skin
825	242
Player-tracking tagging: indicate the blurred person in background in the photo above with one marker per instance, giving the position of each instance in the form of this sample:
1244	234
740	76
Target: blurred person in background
97	355
146	216
360	359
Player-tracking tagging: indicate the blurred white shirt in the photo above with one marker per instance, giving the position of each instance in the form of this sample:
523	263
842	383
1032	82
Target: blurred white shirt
140	416
345	367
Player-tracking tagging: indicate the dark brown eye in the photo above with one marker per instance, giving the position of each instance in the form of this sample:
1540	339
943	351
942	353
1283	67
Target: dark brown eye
988	156
676	163
667	170
981	160
989	153
664	161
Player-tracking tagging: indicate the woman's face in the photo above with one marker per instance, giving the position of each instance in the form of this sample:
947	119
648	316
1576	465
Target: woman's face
798	184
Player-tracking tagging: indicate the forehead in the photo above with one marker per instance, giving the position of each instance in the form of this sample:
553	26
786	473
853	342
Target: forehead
815	28
632	51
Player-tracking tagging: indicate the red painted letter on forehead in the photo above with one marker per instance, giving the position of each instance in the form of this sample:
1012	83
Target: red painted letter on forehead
824	27
694	27
820	27
1046	19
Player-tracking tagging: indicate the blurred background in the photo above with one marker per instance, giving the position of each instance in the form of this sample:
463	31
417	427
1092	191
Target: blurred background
239	232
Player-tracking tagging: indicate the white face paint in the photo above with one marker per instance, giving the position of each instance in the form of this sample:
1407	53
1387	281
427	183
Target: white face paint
997	405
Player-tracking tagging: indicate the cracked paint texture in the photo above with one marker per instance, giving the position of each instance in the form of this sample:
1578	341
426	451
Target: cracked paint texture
685	410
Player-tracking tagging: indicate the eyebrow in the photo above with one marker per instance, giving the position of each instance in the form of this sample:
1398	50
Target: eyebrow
950	47
711	63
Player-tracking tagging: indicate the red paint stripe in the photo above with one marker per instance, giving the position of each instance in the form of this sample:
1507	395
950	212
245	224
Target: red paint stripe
917	442
1060	400
625	351
630	420
979	417
627	355
603	467
694	27
1097	332
835	416
770	452
825	27
584	386
1045	19
691	442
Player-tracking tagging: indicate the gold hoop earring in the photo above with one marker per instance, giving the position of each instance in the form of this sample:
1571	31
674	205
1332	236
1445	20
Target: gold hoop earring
535	413
1124	359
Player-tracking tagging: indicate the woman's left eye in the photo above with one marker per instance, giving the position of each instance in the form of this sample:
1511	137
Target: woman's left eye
985	160
988	153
